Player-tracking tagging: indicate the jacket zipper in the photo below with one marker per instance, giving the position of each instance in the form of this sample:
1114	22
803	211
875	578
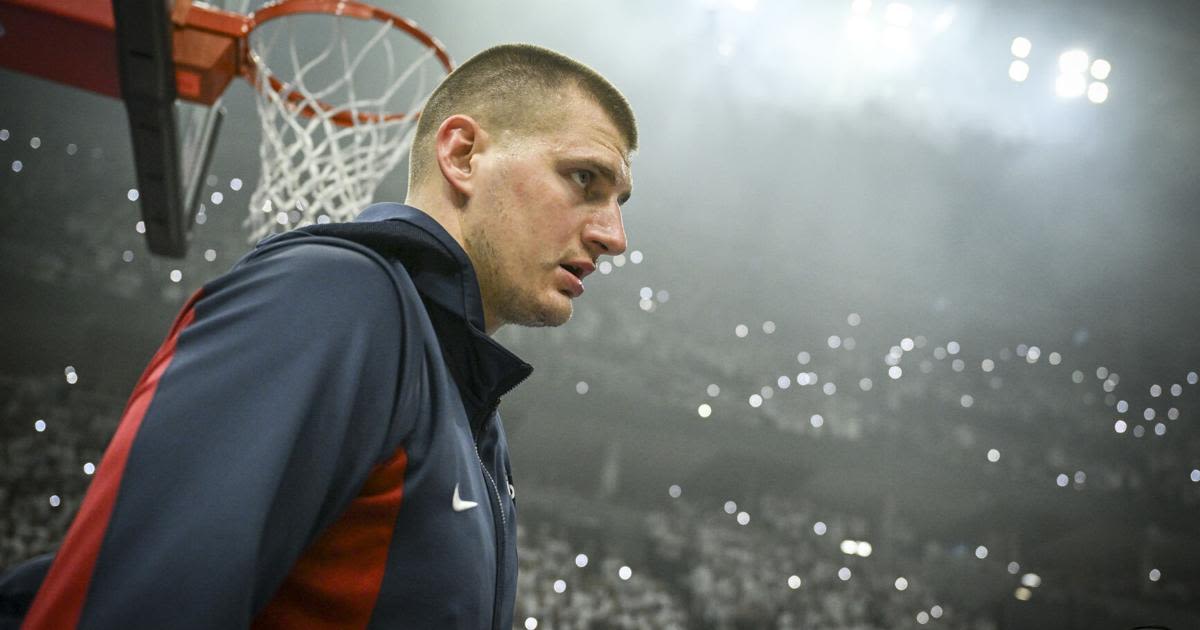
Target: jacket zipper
501	524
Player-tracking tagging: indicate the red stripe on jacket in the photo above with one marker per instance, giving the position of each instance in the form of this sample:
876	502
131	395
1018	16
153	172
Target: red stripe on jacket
335	583
60	601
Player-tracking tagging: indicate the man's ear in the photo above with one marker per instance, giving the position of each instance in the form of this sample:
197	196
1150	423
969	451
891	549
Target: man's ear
459	141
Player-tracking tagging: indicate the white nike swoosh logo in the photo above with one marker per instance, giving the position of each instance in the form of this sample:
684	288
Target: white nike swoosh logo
460	505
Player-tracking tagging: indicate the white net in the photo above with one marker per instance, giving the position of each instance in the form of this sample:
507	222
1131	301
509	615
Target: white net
315	169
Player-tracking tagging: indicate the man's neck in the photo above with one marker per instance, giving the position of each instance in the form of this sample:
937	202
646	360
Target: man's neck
450	218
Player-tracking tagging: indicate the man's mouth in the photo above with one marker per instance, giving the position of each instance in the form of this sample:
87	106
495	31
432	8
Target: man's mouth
575	271
571	280
579	268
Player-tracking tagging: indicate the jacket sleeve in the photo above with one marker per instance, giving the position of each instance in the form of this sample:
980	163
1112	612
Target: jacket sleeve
255	424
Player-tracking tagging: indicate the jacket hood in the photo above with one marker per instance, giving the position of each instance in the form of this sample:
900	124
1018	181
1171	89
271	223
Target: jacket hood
445	278
437	264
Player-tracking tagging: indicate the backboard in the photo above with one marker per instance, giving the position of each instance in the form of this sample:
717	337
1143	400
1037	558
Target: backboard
124	49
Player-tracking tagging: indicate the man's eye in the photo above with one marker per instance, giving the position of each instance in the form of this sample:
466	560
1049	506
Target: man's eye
583	178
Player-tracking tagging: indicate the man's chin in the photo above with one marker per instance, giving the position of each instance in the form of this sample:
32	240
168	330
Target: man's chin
559	313
553	312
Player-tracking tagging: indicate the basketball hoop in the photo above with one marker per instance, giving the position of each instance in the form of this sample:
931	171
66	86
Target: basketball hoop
336	117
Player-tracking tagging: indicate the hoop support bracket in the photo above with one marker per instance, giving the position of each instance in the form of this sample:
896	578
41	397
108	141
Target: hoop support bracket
148	88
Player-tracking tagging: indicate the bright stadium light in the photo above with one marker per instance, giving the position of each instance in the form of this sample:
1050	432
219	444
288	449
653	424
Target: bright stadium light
1021	47
898	14
1097	92
1073	61
944	19
898	39
1070	85
860	31
1100	69
1018	70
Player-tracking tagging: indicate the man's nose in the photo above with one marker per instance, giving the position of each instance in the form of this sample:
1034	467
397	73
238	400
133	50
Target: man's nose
605	233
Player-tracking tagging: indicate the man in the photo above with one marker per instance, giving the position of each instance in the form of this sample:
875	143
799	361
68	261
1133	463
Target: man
315	444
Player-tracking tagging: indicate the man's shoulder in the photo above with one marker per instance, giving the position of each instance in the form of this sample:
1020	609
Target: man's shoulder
323	259
325	276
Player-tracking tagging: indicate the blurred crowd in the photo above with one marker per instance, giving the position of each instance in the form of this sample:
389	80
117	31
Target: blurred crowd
686	567
784	569
1048	412
772	562
561	587
49	432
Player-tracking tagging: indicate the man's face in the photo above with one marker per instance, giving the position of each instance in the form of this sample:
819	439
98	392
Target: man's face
547	206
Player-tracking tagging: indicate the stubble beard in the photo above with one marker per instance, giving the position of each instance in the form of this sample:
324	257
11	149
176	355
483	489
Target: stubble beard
510	302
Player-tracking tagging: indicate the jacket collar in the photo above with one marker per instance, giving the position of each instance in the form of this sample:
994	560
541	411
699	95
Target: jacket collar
435	261
445	278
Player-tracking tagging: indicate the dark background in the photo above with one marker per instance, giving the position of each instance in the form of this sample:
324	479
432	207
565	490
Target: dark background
786	175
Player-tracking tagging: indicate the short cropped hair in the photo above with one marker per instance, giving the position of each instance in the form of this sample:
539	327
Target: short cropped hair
502	88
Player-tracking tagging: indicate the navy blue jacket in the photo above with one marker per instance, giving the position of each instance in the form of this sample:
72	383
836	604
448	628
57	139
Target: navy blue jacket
315	445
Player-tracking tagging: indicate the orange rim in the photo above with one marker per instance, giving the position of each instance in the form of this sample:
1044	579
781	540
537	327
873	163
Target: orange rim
340	8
